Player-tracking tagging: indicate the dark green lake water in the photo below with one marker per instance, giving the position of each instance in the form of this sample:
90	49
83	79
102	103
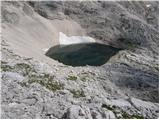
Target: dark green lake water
92	54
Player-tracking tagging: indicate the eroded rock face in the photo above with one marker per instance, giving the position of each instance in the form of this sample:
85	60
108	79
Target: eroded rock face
77	112
32	89
34	86
109	21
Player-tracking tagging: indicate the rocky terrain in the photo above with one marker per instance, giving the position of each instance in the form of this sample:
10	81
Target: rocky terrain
35	86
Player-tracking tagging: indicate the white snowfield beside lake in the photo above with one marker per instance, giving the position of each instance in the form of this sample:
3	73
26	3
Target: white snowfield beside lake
65	40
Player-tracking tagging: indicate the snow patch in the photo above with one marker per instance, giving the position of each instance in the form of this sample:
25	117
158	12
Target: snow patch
65	40
45	49
148	5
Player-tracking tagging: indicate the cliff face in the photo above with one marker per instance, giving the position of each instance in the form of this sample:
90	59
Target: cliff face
36	86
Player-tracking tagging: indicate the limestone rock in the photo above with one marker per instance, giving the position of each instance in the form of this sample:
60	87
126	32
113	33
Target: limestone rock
77	112
36	86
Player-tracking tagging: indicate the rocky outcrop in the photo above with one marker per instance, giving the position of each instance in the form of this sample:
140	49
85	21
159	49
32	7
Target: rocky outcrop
35	86
32	89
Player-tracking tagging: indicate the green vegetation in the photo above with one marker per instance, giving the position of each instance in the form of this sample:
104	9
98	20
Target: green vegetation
3	62
101	78
124	114
24	68
77	93
23	84
107	107
73	78
6	68
47	81
127	116
50	85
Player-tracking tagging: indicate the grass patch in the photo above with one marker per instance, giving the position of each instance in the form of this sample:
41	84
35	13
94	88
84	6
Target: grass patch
22	68
6	68
127	116
101	78
25	68
47	81
4	62
23	84
124	114
73	78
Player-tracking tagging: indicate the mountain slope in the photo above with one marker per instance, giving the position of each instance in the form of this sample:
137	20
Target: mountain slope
36	86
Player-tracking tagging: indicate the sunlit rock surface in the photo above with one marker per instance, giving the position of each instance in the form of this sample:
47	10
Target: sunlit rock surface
126	85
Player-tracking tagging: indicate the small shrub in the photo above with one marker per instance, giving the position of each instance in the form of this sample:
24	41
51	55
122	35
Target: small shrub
6	68
127	116
47	81
73	78
24	68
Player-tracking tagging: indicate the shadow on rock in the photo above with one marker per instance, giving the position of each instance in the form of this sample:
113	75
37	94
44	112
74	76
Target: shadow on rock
142	84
